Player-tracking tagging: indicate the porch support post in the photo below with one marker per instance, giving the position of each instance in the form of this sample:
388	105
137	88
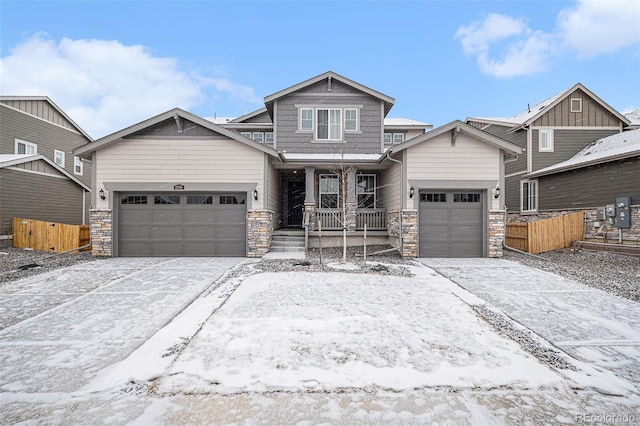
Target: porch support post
309	196
352	204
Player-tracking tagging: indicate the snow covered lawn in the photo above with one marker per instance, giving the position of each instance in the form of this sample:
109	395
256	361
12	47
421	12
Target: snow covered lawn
297	331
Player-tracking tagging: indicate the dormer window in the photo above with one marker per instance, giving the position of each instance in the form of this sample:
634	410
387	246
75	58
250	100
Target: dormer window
398	137
388	138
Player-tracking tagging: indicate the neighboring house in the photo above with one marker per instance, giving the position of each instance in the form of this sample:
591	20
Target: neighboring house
549	133
34	187
181	185
634	118
36	143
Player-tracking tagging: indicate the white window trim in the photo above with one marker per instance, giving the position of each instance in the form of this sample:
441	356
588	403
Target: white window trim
268	137
258	135
390	138
55	155
320	193
340	123
394	138
572	109
357	129
300	129
550	148
535	196
26	144
77	161
246	134
375	190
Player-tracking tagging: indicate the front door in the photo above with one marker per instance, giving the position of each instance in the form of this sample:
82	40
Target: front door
294	205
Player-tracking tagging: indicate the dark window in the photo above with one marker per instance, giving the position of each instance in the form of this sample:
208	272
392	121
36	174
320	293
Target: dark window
166	199
473	197
133	199
232	199
199	199
432	197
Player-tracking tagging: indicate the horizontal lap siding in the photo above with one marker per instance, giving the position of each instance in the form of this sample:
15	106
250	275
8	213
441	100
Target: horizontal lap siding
519	139
389	188
180	161
34	196
566	144
467	160
591	186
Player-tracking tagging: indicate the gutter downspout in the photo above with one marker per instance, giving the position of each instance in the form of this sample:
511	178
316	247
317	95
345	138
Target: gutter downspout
402	201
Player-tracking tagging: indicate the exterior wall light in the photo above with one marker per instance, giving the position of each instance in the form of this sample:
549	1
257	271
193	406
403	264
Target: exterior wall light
497	192
255	194
101	193
411	192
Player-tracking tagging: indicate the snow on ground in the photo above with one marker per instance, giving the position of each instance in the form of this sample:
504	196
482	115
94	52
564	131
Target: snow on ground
297	331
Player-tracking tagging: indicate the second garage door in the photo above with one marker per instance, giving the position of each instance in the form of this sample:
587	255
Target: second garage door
157	224
451	224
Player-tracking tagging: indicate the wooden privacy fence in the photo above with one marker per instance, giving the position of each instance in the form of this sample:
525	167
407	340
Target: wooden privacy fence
546	235
49	236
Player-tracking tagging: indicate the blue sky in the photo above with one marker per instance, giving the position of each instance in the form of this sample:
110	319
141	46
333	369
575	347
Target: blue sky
112	64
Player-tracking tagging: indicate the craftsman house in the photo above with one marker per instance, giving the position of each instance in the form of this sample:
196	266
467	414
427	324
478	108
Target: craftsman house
40	178
322	155
549	133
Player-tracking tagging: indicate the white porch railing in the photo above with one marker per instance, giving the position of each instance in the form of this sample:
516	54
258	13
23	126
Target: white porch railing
331	219
374	219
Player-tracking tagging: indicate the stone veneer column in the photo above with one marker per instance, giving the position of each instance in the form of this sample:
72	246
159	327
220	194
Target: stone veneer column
259	232
101	232
409	233
496	232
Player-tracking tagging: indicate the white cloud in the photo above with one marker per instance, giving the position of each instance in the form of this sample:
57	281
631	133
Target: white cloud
526	51
591	28
105	85
596	27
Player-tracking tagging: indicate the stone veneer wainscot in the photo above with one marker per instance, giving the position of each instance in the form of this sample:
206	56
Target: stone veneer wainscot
101	232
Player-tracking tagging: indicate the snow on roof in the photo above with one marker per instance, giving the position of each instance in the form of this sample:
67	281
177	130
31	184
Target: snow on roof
634	117
403	122
219	120
6	158
331	157
606	149
525	115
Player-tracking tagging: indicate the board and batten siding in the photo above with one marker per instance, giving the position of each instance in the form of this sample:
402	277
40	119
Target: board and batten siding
50	198
592	114
590	187
41	109
181	161
365	140
566	144
48	137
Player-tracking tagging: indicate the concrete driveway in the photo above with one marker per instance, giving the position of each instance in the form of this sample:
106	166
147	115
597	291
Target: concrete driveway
589	324
62	327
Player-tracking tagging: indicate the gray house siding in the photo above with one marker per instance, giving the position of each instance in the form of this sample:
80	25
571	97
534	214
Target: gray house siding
366	140
512	192
567	143
591	186
41	109
48	137
260	118
518	138
592	114
55	199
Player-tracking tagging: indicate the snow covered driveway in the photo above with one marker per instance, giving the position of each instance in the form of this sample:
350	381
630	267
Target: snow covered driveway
60	328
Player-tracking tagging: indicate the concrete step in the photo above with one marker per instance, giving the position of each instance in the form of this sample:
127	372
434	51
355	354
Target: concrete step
287	244
287	238
287	249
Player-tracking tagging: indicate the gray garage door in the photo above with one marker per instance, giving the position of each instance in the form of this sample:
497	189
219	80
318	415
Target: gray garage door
451	224
182	224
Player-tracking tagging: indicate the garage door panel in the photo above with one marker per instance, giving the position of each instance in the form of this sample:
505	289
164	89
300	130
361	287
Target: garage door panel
182	225
465	249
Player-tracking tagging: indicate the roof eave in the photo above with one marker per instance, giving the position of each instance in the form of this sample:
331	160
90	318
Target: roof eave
595	162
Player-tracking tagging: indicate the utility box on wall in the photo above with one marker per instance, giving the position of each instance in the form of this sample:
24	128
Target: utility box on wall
623	212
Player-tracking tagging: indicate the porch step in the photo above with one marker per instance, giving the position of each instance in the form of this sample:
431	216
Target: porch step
287	243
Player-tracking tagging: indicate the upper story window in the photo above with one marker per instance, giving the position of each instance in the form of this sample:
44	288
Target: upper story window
246	134
329	191
23	147
398	137
268	137
78	166
529	192
58	157
329	124
306	119
350	120
258	137
545	140
366	191
388	138
576	105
